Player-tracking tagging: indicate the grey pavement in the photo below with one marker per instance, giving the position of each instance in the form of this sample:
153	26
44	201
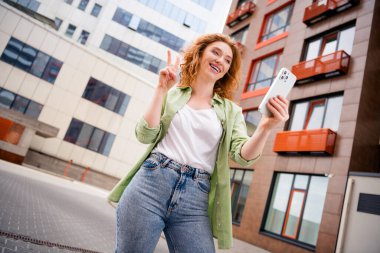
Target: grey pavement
57	215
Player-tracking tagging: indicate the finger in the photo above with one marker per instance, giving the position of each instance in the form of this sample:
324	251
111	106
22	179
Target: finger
274	111
176	64
277	106
284	100
169	61
282	103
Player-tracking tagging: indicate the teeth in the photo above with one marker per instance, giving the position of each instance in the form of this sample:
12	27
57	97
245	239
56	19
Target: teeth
217	69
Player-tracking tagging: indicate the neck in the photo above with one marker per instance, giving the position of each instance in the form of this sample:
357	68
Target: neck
203	87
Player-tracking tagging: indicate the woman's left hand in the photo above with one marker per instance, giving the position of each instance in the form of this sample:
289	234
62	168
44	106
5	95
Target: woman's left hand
278	106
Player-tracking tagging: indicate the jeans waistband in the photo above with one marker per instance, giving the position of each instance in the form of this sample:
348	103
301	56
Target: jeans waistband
181	168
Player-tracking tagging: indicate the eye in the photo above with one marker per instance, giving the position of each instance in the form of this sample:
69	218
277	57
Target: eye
215	52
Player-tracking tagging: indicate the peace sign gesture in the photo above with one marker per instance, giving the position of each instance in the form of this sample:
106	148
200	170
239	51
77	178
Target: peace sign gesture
168	75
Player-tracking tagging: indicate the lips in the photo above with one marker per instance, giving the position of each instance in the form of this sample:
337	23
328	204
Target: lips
216	68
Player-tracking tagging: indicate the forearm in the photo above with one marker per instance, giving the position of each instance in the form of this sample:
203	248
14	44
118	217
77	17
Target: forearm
153	114
255	144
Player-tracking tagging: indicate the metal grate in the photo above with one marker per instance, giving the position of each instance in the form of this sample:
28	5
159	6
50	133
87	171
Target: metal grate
369	203
44	243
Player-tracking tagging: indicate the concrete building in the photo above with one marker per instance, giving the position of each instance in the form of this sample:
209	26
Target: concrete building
84	71
291	200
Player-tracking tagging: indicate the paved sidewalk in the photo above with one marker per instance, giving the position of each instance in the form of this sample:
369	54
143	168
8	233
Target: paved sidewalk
28	209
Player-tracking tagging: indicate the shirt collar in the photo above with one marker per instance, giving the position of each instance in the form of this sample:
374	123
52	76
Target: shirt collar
215	98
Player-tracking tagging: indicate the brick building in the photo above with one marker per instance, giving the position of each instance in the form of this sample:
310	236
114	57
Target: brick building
291	200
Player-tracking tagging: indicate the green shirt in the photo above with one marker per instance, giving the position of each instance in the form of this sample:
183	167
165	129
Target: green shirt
233	137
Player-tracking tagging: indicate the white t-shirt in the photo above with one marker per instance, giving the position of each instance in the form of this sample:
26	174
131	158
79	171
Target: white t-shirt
192	138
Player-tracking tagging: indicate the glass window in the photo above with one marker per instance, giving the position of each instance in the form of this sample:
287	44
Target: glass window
52	69
34	5
338	40
317	113
106	96
70	30
240	183
84	135
240	35
20	104
263	73
12	51
252	119
68	1
58	23
296	207
26	57
96	10
346	40
106	145
39	64
31	60
83	4
34	109
277	22
73	131
96	139
6	98
83	37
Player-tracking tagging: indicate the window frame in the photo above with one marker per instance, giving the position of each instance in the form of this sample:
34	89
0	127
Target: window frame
252	70
235	209
281	236
270	16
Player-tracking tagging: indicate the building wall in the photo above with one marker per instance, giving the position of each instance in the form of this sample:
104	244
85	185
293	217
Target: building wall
99	26
335	166
63	100
360	231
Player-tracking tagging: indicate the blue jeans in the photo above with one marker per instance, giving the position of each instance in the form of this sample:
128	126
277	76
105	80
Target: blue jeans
165	196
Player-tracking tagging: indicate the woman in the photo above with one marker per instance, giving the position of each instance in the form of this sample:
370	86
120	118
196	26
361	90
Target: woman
181	185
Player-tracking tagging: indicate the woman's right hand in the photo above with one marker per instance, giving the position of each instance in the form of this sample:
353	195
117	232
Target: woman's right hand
168	75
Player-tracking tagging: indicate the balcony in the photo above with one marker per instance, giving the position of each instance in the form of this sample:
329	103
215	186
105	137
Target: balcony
317	141
241	13
326	66
322	9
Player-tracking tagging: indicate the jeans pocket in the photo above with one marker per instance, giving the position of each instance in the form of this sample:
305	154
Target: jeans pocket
204	186
151	163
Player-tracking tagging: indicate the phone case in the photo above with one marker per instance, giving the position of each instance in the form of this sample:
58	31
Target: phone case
281	85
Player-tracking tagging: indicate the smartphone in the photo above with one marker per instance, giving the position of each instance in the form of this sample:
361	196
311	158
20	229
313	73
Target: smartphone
281	85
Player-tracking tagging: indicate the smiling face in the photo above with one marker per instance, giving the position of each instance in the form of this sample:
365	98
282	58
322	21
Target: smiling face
216	60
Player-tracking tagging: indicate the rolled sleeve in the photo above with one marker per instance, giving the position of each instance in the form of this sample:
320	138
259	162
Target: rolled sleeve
146	134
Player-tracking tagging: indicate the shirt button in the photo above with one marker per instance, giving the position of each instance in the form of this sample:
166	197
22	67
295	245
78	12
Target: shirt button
219	225
217	203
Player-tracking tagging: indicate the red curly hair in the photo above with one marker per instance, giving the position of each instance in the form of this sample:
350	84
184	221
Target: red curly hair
225	86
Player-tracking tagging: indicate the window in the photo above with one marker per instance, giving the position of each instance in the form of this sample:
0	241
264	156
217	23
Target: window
241	2
96	10
263	72
18	103
131	54
240	183
87	136
30	4
317	113
58	23
68	1
147	29
83	37
342	39
296	206
208	4
252	119
173	12
83	4
31	60
106	96
70	30
277	22
240	35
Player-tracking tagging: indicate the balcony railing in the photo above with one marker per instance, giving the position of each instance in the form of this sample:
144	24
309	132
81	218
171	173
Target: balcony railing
325	66
241	13
322	9
317	141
